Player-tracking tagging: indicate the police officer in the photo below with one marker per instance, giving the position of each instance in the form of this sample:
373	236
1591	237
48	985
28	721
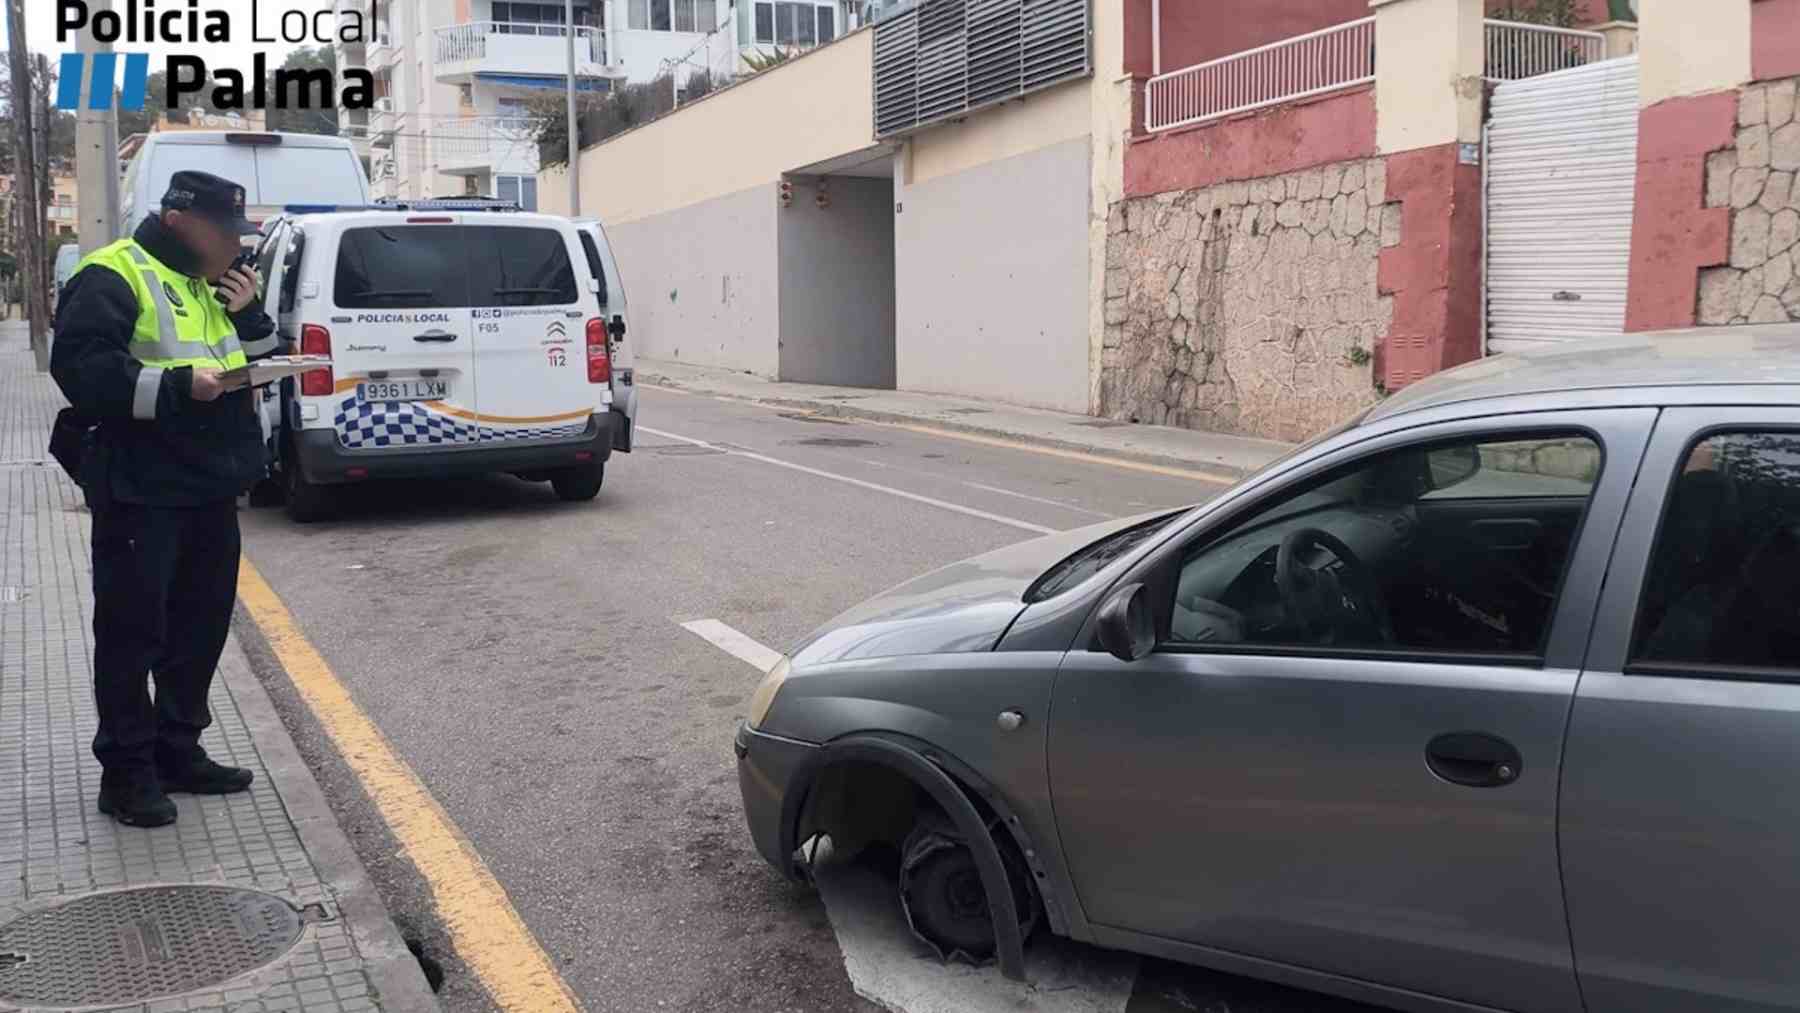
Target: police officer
147	329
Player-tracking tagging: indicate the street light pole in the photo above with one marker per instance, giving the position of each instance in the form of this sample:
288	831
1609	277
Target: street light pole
96	153
574	130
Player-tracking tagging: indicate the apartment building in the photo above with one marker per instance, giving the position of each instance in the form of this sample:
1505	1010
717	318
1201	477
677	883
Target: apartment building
454	78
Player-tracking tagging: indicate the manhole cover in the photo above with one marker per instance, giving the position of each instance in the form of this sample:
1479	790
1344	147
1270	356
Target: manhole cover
130	946
834	441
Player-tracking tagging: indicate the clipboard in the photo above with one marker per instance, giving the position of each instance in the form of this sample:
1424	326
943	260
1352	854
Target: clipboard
275	367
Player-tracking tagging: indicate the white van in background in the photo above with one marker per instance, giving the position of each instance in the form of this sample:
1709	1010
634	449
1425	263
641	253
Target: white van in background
67	256
276	170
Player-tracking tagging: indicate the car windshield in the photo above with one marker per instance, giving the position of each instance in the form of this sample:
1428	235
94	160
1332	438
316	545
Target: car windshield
1092	559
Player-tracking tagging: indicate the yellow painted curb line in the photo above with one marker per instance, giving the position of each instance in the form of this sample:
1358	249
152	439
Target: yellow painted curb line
489	935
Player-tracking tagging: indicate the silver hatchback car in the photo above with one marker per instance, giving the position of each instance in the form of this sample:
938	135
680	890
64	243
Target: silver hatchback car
1487	700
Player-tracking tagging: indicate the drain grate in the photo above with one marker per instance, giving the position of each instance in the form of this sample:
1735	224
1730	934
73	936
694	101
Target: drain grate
130	946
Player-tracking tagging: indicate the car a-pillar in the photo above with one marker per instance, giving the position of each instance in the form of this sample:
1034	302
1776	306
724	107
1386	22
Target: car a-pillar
878	788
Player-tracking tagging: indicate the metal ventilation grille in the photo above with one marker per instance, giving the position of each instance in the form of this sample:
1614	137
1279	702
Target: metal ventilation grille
944	58
896	75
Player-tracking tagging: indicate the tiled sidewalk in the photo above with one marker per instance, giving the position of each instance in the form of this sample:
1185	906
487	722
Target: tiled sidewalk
278	838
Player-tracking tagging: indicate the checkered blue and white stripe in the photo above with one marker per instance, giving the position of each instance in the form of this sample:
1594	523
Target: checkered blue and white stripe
405	423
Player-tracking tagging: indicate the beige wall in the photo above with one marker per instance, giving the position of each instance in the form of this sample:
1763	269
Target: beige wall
816	107
1687	47
1431	95
1000	132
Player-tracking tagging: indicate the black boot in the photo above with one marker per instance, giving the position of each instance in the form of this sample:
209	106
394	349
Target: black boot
199	775
134	798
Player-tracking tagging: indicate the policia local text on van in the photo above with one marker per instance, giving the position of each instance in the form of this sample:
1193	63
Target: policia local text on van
162	441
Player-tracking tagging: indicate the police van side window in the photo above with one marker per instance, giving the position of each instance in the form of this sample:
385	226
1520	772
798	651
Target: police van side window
405	266
290	271
592	253
519	266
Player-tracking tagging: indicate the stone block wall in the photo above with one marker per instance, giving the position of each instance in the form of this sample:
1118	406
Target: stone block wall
1756	179
1248	307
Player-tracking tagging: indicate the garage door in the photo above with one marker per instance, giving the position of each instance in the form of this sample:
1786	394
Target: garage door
1561	172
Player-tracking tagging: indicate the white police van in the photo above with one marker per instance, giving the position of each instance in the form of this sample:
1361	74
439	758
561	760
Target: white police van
466	337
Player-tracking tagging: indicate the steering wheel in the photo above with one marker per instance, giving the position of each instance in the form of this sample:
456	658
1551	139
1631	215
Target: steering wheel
1326	607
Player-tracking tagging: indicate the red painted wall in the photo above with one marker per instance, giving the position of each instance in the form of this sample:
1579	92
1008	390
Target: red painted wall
1195	31
1266	143
1434	274
1673	235
1774	39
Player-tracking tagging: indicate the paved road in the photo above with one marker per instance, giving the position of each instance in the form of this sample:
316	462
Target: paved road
526	658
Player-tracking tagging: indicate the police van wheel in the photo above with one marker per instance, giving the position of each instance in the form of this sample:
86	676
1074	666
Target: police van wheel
267	493
306	502
579	483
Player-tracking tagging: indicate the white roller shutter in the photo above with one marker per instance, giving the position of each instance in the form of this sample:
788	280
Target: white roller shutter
1561	176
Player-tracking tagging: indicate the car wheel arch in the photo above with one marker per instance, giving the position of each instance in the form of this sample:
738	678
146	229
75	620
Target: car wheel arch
962	795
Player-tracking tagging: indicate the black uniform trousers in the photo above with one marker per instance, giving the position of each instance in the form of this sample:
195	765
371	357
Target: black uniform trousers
165	581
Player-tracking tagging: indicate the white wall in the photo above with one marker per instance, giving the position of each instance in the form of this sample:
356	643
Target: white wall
991	272
703	280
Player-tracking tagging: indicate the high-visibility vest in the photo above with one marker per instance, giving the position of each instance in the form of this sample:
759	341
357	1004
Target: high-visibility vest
179	322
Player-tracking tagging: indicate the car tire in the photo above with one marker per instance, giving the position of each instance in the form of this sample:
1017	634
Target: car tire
306	502
580	483
943	896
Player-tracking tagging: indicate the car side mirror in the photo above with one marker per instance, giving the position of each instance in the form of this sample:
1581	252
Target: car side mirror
1126	627
1450	465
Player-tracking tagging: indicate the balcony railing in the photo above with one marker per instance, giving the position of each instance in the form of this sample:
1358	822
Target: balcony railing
493	143
1318	62
1516	50
478	41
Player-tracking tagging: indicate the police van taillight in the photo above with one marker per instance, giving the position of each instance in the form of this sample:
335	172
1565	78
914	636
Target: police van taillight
599	363
315	340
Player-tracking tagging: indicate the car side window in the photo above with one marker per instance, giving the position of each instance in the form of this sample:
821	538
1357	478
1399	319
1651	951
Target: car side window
1723	587
1455	548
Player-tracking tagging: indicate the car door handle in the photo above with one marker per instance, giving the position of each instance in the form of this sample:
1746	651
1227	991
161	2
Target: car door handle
435	335
1474	759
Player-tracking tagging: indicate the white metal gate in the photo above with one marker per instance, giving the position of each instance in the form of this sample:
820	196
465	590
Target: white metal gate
1561	171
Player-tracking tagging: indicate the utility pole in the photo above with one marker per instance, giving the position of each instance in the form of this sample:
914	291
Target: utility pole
574	129
96	153
26	192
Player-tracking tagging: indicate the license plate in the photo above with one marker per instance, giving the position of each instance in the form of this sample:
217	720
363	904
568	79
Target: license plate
403	390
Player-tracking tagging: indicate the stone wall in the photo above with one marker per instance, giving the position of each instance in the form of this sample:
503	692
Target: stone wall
1248	307
1755	178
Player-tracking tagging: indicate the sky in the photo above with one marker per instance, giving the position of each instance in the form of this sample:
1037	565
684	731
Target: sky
40	31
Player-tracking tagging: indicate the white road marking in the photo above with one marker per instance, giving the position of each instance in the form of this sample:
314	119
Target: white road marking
734	643
1011	522
1059	504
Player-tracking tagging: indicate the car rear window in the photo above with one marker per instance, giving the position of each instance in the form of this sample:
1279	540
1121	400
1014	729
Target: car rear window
455	266
516	266
402	265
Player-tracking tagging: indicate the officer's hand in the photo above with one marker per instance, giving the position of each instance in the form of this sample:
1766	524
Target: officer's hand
239	288
207	385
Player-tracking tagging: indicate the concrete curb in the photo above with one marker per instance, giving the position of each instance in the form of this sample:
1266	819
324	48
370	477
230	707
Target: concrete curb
392	969
1225	471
